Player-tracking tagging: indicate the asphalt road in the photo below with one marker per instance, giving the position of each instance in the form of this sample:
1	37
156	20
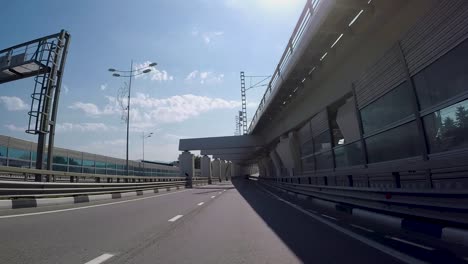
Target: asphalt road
244	224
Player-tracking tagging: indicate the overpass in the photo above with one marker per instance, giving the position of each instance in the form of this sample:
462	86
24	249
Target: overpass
356	153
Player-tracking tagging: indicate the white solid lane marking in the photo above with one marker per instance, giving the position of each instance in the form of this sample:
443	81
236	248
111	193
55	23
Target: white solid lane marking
409	243
175	218
312	211
387	250
363	228
100	259
86	207
201	203
329	217
213	197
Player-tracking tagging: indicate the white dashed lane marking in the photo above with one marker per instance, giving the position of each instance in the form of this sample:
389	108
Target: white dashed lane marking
329	217
175	218
363	228
100	259
409	243
200	203
213	197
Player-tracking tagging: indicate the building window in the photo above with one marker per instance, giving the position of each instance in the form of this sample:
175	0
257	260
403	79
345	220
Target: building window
19	154
88	163
396	143
349	155
393	106
3	151
75	161
447	128
444	79
60	160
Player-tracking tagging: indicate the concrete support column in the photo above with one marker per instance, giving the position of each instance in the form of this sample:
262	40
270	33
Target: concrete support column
216	169
206	167
223	170
276	162
187	166
228	170
234	170
295	148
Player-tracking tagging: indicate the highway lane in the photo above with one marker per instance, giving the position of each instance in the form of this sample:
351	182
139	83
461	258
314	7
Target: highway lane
246	224
80	235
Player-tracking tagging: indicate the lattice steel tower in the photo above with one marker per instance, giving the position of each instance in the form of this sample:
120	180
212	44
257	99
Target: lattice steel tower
243	118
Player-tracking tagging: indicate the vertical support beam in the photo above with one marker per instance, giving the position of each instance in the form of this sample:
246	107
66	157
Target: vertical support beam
295	153
64	42
417	115
216	166
228	170
223	170
361	132
206	168
187	166
277	162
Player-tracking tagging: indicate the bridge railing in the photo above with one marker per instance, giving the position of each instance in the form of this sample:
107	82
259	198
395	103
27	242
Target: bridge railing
294	40
400	190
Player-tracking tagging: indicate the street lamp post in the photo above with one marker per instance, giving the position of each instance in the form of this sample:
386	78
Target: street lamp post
131	73
145	137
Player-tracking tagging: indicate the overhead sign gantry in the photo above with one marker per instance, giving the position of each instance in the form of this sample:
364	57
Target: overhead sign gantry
44	59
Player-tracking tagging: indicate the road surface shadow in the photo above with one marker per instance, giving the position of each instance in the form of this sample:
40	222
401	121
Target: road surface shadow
310	240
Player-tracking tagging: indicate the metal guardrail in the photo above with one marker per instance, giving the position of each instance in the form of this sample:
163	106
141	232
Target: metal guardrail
15	188
74	176
442	205
295	38
10	189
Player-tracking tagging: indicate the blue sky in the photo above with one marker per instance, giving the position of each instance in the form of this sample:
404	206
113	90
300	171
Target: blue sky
200	47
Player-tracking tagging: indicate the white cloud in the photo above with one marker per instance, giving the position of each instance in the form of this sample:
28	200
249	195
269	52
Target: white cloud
103	87
191	76
93	110
84	127
176	108
15	128
208	36
13	103
154	74
146	111
65	89
205	77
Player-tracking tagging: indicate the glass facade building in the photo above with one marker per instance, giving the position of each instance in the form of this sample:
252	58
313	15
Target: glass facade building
20	153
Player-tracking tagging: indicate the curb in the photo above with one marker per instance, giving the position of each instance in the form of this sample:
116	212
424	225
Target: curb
41	202
445	233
